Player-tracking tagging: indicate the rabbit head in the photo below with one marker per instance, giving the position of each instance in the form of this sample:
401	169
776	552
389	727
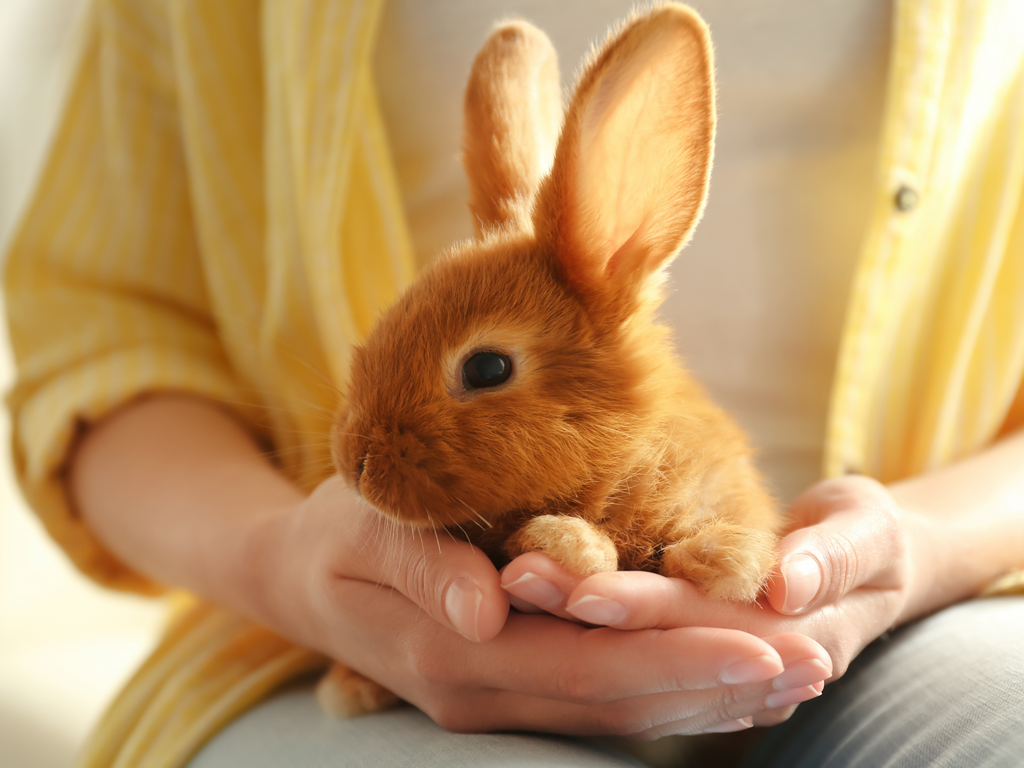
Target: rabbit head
524	370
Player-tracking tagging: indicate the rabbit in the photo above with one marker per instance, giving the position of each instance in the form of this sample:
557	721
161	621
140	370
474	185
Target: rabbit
521	394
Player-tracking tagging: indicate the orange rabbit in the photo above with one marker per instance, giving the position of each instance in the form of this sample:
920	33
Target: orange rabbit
520	393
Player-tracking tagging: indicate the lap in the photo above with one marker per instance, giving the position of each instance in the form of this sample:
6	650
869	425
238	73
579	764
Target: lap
290	730
945	691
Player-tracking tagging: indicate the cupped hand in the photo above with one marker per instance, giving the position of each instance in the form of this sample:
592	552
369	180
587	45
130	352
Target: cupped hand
847	572
425	615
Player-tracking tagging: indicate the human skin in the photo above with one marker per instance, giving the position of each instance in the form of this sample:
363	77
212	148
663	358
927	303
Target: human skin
177	488
861	558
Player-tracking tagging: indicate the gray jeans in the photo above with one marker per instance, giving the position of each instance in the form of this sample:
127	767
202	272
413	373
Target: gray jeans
945	692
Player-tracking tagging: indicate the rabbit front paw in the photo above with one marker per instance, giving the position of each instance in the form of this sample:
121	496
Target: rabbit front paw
572	542
727	561
343	692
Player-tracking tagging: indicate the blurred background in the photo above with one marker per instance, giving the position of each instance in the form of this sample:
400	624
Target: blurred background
66	645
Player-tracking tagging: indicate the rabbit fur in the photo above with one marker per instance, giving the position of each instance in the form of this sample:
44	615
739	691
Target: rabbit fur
600	450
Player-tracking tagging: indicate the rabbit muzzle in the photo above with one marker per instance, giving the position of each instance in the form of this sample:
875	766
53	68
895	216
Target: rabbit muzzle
398	472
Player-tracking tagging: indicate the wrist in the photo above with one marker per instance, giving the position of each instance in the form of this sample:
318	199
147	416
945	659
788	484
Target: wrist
288	562
954	554
262	582
925	564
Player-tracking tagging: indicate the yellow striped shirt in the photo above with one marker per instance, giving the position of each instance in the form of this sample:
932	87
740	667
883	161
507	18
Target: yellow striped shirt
219	215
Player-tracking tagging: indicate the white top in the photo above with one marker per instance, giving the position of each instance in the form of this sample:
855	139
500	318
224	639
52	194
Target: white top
758	297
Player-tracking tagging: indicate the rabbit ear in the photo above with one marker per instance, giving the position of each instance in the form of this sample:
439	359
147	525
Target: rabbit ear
631	171
513	112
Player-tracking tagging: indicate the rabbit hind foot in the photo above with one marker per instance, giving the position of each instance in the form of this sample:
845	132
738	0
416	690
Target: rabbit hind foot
727	561
343	692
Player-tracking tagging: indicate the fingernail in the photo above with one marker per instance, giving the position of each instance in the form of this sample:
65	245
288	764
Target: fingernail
731	725
801	673
754	670
598	610
462	604
534	589
801	576
792	696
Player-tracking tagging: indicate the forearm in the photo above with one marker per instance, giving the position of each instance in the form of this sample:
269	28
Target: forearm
968	521
175	486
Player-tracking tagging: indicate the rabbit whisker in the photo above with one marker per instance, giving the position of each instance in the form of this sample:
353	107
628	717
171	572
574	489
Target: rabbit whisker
484	522
466	535
353	434
433	527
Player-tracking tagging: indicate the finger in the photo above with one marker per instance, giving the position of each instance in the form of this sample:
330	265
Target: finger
806	662
452	581
639	600
776	716
632	600
793	696
686	727
731	726
641	718
650	600
757	715
561	682
522	606
857	541
549	658
544	656
534	579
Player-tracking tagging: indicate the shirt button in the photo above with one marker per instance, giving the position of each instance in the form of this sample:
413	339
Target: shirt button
906	198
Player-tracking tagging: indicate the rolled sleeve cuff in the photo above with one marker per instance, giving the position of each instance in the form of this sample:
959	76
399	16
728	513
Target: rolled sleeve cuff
47	419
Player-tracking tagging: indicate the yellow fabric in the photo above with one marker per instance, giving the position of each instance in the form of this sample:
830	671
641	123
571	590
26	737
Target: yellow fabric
933	351
219	215
209	667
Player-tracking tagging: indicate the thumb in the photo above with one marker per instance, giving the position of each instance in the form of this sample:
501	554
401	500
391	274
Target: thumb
852	538
453	581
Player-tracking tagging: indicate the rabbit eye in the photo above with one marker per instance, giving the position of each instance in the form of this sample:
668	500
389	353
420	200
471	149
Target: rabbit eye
486	369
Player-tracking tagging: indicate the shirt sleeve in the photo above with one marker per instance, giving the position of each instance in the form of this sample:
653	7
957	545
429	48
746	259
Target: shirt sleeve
104	284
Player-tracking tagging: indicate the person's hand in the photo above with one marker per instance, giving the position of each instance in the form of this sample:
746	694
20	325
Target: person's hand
844	577
425	616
